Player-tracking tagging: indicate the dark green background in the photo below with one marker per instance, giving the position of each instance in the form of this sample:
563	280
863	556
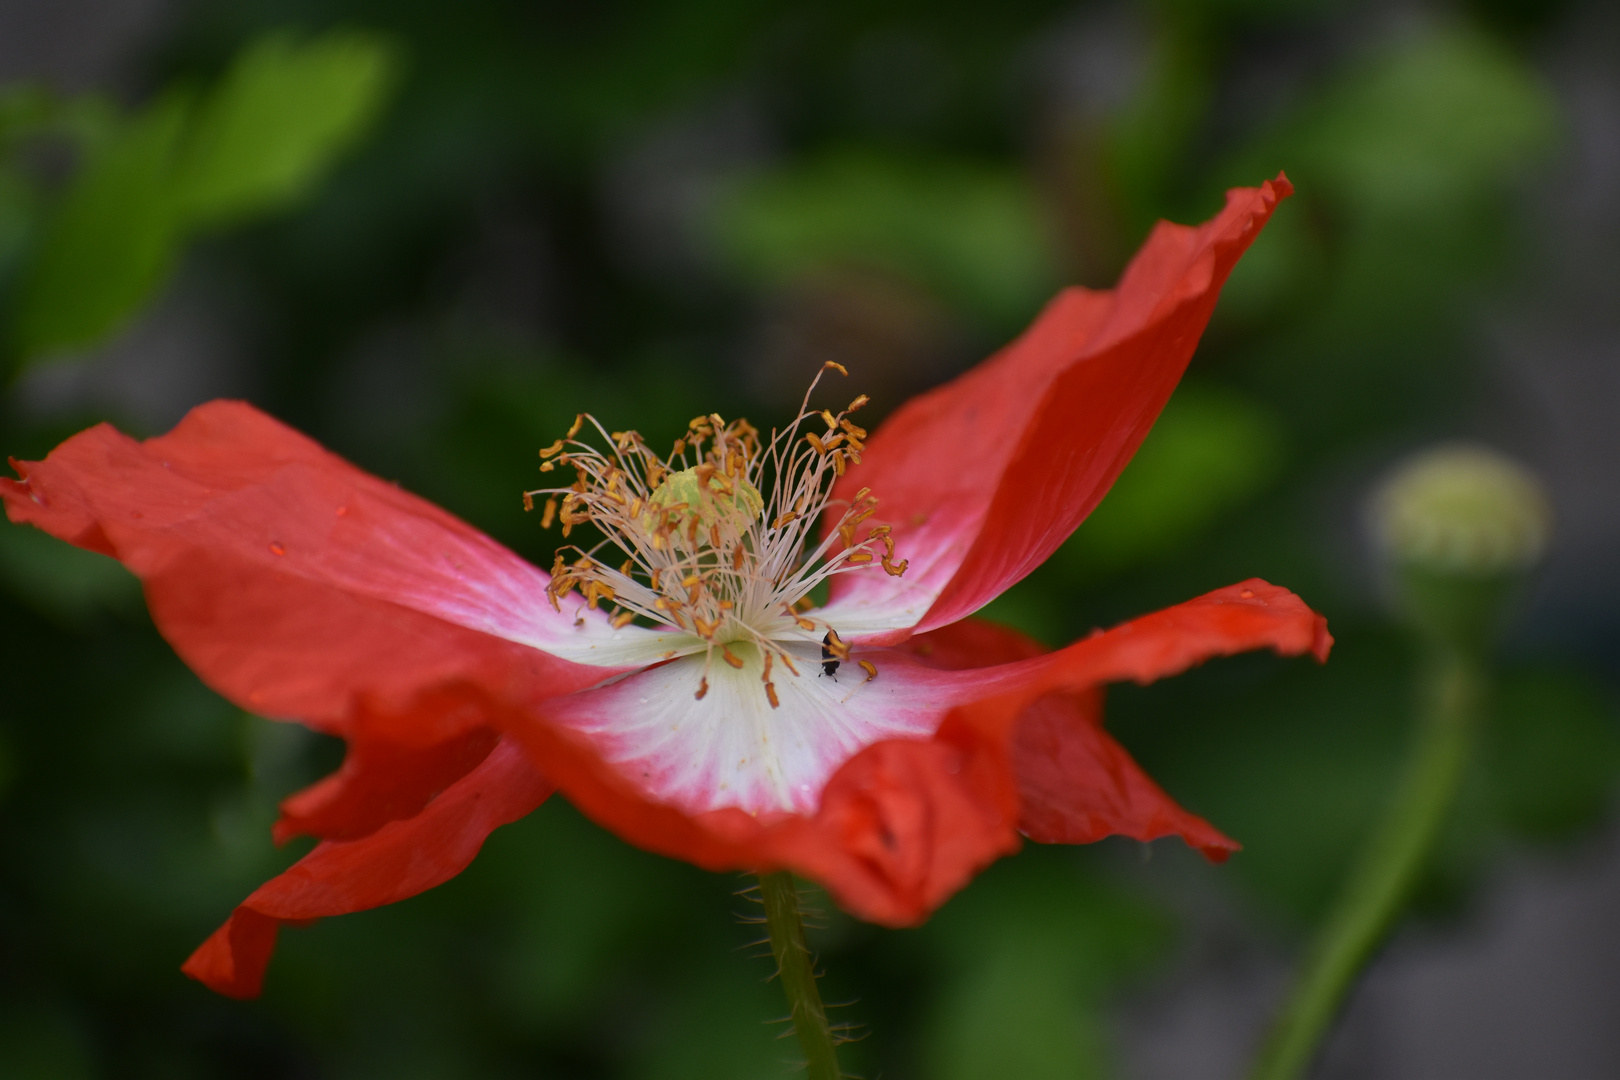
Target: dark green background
655	209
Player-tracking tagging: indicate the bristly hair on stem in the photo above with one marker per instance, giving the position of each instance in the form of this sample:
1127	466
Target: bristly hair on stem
795	970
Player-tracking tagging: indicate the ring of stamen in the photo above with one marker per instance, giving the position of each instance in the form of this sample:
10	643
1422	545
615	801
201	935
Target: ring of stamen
705	549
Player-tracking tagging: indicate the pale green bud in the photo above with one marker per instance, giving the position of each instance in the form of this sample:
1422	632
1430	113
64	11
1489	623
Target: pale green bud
1460	525
1463	509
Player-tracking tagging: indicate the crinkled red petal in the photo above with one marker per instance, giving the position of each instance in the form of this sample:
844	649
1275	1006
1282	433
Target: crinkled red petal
984	477
292	582
383	779
397	861
1076	784
905	823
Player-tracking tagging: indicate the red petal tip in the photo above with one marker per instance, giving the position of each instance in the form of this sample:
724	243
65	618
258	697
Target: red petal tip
1322	644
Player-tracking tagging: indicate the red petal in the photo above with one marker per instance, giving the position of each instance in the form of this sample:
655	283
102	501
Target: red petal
984	477
905	822
1250	615
399	860
1076	785
383	779
292	582
973	643
902	825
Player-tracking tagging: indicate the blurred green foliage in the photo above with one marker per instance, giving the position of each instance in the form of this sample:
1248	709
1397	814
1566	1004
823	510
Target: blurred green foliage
184	163
445	252
884	211
1209	452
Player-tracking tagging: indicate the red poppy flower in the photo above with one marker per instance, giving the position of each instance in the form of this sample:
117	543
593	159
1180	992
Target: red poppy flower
886	745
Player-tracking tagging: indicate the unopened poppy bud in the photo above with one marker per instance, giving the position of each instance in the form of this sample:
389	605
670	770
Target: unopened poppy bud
1463	509
1460	526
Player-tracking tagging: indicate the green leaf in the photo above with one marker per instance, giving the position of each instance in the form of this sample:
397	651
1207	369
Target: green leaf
257	142
110	242
284	111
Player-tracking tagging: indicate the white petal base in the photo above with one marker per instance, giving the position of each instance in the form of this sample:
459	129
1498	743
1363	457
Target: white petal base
731	748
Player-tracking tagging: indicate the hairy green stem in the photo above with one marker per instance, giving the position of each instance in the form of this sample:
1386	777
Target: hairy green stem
796	970
1452	685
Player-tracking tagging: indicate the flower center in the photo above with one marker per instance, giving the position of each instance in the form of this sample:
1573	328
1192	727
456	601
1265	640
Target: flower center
702	548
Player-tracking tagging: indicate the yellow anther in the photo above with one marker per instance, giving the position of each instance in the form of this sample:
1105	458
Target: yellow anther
579	422
623	619
731	658
703	688
552	449
770	695
830	420
528	501
870	669
835	366
860	557
836	645
857	403
783	519
895	569
549	514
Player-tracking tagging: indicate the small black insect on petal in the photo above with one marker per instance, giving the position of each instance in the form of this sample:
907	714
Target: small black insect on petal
829	662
